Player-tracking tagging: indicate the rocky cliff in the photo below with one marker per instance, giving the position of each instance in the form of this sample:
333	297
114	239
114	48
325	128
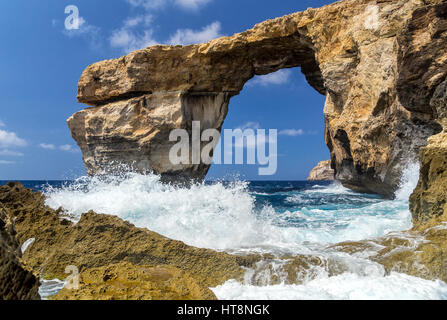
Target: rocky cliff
322	172
425	74
429	200
377	63
17	282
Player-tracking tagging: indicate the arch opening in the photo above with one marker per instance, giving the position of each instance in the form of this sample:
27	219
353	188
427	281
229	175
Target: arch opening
284	101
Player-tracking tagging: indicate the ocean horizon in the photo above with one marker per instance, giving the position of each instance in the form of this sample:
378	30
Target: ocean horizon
274	218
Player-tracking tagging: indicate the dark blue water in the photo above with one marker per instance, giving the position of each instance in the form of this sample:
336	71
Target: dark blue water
277	194
276	217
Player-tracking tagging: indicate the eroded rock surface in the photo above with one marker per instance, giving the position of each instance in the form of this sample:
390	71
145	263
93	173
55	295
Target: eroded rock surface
116	260
322	172
427	54
429	200
99	240
125	281
17	282
358	53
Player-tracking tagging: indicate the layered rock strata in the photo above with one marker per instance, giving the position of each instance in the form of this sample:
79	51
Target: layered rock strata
359	54
100	244
322	172
124	281
426	76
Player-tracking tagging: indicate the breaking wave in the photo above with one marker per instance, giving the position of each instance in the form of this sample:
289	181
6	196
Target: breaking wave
274	217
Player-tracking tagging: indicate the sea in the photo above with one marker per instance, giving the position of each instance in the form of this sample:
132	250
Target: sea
275	218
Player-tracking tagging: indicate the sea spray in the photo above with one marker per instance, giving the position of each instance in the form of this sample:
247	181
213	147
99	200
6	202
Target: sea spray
408	181
228	216
348	286
283	219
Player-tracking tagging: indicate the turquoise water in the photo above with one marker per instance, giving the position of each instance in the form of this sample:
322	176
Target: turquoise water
279	218
274	217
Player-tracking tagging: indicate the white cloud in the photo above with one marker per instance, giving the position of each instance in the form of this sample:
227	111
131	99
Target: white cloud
131	36
275	78
90	32
292	132
137	20
10	139
129	40
10	153
64	147
47	146
158	4
191	4
84	29
189	36
68	148
250	125
148	4
6	162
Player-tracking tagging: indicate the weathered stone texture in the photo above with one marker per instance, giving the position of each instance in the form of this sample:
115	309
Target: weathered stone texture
377	62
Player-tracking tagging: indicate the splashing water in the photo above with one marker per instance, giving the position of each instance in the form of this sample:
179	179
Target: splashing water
409	181
274	217
347	286
231	217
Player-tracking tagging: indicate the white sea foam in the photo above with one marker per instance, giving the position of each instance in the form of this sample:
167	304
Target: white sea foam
335	188
408	181
49	288
348	286
213	216
226	217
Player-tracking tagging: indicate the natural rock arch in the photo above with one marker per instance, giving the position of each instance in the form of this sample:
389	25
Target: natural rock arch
352	51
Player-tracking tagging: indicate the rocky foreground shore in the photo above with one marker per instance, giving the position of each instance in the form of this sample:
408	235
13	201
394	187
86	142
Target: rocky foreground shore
117	260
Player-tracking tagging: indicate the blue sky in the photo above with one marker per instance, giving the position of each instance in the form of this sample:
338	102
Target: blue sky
41	63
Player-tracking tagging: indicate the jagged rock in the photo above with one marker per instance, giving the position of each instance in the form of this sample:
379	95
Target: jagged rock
428	55
17	282
358	53
322	172
119	261
429	199
419	252
125	281
99	240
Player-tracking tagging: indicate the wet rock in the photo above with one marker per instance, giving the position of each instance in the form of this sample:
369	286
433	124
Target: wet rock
420	252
